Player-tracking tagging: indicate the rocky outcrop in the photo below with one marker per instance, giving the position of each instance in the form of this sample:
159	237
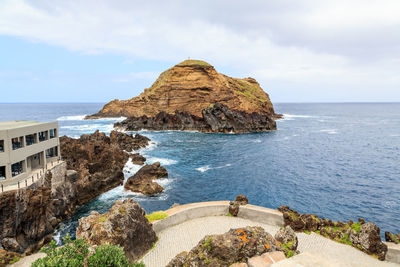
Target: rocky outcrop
128	142
216	118
191	87
124	224
29	216
137	159
99	161
8	257
361	235
183	98
142	181
237	245
234	205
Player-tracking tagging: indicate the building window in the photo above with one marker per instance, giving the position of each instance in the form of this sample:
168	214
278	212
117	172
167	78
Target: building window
43	136
17	142
52	152
30	139
17	168
1	145
53	133
2	172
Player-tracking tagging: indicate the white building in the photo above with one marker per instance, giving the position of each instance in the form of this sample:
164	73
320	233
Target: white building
26	146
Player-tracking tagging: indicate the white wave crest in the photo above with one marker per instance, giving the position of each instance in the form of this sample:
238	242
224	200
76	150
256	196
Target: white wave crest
162	161
290	117
207	167
72	118
203	169
89	128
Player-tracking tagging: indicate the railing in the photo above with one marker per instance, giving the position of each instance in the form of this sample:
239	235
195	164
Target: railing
35	176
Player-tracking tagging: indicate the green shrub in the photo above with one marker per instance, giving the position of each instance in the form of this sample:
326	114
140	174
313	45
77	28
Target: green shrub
71	254
108	255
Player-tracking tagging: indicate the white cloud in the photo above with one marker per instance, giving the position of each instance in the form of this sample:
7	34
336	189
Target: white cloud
307	43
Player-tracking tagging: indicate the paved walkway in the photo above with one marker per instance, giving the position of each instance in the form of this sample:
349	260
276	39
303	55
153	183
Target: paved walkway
184	236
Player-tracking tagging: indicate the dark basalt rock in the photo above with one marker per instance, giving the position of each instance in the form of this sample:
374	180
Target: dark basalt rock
137	159
361	235
142	181
124	224
394	238
234	205
217	119
236	245
127	142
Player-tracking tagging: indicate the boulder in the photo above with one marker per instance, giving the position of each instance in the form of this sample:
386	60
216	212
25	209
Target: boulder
137	159
370	240
124	224
142	181
235	246
234	205
287	237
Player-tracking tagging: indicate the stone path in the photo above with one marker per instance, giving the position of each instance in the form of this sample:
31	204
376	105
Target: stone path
316	249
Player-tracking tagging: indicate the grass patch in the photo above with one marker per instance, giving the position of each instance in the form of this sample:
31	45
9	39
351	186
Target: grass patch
191	62
356	227
230	215
157	215
207	244
101	219
307	232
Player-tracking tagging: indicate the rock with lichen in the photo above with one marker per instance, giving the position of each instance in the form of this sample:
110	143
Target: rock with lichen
236	245
124	224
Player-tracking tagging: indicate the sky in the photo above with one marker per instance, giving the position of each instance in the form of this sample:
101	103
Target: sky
100	50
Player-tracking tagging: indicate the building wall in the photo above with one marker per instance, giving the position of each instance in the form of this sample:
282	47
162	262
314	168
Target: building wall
10	156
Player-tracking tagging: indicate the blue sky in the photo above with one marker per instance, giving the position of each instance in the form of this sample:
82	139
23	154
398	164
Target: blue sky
96	51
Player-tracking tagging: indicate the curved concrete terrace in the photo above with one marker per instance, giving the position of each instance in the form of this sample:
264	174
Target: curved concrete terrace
187	224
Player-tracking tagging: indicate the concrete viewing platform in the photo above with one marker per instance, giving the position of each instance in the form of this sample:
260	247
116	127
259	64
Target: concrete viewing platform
187	224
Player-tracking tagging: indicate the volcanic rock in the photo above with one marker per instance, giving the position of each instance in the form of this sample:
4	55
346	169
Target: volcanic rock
124	224
236	245
137	159
183	98
370	240
234	205
142	181
394	238
288	239
127	142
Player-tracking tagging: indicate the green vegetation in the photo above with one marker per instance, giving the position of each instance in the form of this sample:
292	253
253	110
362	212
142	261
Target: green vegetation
110	255
356	227
101	219
230	215
395	238
15	259
287	249
307	232
190	62
250	90
74	254
157	215
207	244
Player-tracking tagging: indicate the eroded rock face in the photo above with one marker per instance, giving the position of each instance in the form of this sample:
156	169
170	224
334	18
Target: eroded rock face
191	87
217	118
137	159
124	224
142	181
237	245
361	235
29	216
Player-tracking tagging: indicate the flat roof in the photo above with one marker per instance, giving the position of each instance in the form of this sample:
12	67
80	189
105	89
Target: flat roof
7	125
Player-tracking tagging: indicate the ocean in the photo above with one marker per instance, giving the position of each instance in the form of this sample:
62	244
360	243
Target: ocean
340	161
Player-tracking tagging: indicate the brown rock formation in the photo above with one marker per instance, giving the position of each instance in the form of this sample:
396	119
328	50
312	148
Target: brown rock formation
124	224
234	205
236	245
142	181
192	86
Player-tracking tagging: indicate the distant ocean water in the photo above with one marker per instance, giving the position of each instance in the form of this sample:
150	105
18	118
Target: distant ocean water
340	161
